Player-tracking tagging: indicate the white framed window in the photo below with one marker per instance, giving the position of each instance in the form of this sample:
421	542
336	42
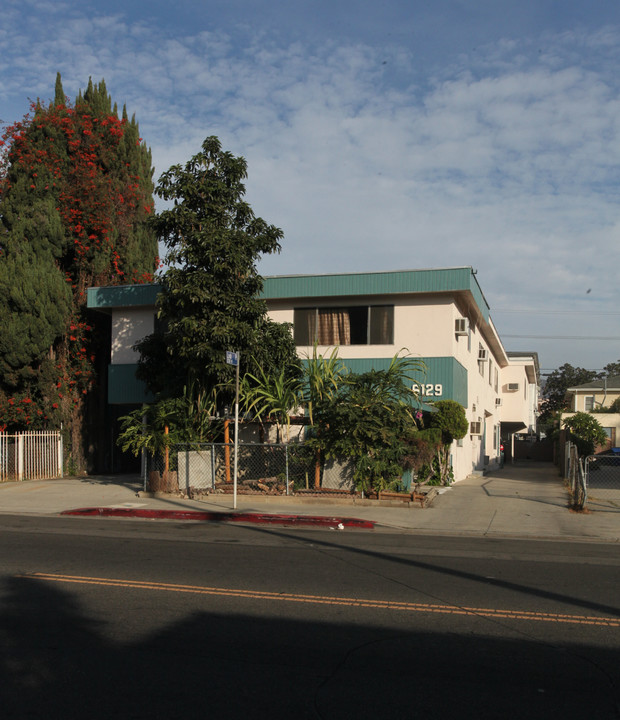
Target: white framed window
588	403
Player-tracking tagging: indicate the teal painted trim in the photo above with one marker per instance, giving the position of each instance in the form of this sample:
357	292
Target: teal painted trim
124	388
310	286
444	371
448	372
478	295
106	298
380	283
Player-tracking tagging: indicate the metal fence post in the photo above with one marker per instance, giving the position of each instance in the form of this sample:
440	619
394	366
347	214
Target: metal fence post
583	479
4	460
61	458
286	466
212	465
19	450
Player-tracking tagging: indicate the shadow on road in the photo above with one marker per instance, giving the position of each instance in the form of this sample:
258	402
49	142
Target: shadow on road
58	662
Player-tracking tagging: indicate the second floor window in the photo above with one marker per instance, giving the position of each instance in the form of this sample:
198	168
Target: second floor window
357	325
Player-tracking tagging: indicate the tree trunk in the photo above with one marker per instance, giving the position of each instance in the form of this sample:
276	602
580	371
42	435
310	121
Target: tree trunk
317	471
78	457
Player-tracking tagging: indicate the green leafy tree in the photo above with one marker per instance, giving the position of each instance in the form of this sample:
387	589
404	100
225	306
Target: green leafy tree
156	427
615	406
586	431
272	397
421	455
556	385
75	204
323	376
210	299
370	421
450	419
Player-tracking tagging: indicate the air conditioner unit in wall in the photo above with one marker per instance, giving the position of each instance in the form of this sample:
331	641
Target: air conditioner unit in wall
512	387
461	326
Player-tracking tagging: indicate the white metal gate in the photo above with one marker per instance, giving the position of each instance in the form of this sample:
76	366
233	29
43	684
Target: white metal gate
32	455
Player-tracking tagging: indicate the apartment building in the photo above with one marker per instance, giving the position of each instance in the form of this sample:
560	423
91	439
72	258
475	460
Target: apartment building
438	316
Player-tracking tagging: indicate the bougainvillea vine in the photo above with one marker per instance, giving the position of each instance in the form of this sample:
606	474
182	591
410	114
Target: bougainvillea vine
75	207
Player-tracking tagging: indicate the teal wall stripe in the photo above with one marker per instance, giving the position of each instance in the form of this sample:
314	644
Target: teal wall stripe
116	296
124	388
444	371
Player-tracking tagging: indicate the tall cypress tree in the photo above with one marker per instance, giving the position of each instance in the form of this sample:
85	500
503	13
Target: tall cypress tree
75	208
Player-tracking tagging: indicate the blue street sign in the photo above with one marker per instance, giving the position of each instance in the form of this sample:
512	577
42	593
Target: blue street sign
232	358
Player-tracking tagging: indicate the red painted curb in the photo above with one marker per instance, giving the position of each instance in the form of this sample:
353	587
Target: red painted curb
267	519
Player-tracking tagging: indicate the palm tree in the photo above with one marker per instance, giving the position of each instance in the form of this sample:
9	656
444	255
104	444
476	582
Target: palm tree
273	396
323	377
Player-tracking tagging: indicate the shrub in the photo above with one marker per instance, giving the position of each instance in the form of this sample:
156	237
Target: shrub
586	432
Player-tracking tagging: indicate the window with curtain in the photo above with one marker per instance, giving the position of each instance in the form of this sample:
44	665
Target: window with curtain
355	325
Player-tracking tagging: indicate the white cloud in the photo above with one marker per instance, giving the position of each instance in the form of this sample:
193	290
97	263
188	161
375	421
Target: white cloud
507	162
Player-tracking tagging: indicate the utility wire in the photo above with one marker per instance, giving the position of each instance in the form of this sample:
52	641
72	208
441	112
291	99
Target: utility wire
564	337
528	311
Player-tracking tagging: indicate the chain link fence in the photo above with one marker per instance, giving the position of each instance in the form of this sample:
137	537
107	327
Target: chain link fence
575	476
603	481
594	481
276	469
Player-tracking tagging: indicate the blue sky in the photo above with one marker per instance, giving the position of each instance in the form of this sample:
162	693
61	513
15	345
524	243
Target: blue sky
381	136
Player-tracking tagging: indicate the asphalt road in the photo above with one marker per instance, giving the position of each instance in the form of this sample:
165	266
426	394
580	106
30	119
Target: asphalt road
104	618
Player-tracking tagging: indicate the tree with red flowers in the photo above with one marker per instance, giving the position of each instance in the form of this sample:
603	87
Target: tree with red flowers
75	208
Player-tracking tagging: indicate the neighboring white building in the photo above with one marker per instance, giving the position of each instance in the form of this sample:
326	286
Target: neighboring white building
521	392
438	316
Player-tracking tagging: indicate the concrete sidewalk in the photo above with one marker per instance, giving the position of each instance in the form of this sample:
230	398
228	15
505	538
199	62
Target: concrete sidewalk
523	500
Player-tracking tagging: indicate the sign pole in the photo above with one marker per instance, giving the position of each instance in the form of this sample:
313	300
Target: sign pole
236	431
233	358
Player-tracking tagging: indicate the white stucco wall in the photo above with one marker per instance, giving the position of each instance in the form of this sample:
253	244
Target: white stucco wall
522	403
128	327
424	325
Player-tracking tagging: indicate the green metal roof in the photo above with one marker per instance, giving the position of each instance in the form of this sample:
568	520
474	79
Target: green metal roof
445	280
377	283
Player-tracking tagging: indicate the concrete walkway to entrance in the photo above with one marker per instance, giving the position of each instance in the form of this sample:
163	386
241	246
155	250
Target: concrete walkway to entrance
527	499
